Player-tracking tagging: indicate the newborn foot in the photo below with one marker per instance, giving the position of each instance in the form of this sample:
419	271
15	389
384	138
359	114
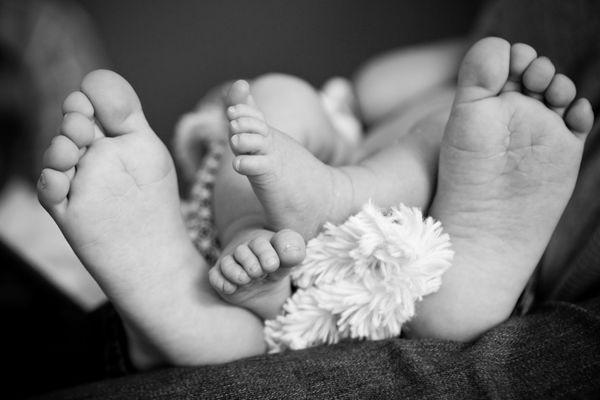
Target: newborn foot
254	271
296	190
108	180
508	164
110	185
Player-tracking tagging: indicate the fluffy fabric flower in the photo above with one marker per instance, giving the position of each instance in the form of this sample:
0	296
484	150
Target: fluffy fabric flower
361	279
304	323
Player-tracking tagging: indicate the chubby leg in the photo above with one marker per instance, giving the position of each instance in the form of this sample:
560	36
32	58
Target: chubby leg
110	185
508	164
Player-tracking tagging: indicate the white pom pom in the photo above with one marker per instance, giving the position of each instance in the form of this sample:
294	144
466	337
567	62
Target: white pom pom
361	279
305	323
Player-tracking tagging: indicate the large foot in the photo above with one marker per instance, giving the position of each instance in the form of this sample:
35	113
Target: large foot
110	185
254	270
108	181
296	190
508	164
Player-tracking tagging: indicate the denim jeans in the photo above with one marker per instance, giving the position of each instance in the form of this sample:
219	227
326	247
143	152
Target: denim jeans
552	353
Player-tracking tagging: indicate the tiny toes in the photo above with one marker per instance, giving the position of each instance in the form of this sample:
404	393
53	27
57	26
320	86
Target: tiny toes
265	253
53	187
62	154
244	110
538	75
521	55
244	143
290	247
239	93
77	102
232	271
580	117
249	125
251	165
219	283
78	128
249	261
561	91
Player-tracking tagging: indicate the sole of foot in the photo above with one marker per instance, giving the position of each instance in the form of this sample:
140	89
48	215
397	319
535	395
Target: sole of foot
297	190
109	183
254	271
508	164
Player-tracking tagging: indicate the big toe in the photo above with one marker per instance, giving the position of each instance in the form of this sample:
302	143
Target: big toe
484	70
116	105
290	247
239	93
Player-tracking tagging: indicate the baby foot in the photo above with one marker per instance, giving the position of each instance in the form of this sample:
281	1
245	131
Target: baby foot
297	190
508	164
109	180
110	185
254	270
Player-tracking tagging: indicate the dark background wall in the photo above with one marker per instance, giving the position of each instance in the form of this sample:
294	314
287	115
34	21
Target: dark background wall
174	51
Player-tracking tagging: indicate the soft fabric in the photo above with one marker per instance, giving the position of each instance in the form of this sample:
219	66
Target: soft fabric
361	279
550	354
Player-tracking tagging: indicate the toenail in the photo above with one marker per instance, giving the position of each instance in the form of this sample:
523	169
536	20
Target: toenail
42	181
235	124
231	109
235	139
291	247
270	262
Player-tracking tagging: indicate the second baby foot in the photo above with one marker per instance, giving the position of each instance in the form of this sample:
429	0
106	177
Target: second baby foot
253	271
297	190
508	164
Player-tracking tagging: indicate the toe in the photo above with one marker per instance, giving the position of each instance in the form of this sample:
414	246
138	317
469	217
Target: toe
245	143
580	117
53	187
232	271
561	92
244	110
538	75
219	283
62	154
265	253
239	93
78	128
484	70
116	105
290	247
521	55
249	125
251	165
248	260
77	102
